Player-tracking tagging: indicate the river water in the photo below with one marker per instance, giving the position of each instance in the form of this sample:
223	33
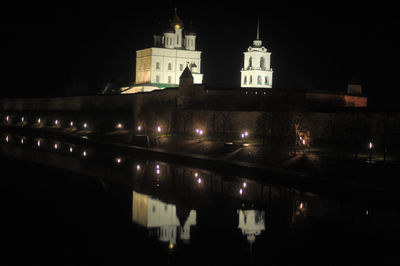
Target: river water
64	204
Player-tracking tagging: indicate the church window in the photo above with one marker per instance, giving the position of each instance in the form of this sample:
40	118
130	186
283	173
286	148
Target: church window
158	65
250	62
259	80
266	81
169	66
245	79
262	62
251	80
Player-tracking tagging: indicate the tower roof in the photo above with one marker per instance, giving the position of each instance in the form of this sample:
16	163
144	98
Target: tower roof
257	42
190	31
176	22
186	73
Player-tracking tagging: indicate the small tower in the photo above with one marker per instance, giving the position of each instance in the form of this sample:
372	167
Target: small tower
256	71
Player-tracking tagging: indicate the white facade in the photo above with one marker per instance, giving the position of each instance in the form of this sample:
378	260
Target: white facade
162	65
153	213
256	71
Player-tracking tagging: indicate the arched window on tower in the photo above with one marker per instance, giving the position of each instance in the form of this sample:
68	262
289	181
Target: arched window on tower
266	81
169	66
250	62
157	65
251	80
259	80
245	79
262	62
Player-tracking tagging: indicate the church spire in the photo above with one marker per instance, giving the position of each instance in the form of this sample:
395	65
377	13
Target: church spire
257	42
258	29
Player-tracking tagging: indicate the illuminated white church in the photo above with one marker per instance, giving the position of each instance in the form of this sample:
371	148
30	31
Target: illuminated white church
256	71
161	66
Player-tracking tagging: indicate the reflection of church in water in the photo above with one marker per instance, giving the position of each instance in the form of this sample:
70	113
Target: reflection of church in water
251	222
162	217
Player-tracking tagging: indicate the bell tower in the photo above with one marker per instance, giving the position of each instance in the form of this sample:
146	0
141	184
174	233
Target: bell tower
256	71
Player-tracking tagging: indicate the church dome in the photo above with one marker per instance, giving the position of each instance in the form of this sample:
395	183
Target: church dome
190	32
176	22
169	30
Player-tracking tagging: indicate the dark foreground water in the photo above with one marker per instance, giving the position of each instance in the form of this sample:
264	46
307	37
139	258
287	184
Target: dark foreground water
103	208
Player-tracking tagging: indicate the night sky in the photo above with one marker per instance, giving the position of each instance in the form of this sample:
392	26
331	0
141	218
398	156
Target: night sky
65	49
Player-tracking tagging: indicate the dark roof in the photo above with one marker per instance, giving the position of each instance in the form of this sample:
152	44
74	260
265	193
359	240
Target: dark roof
186	73
189	31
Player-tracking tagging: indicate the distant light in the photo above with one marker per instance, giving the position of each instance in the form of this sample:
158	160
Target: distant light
85	125
171	246
22	119
366	212
242	135
201	132
38	143
301	137
56	122
197	130
138	167
84	153
304	142
196	174
370	145
71	149
7	118
119	125
38	120
199	180
158	171
159	129
241	191
158	166
139	128
22	141
118	160
244	184
71	123
56	146
6	138
246	133
301	205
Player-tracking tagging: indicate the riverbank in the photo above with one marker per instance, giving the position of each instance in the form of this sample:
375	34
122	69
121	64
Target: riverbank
317	162
314	166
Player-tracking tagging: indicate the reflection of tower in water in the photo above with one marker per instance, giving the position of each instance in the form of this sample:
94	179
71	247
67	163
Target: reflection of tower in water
156	214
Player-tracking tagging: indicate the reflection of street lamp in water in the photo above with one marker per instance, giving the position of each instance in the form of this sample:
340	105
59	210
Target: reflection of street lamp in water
370	152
